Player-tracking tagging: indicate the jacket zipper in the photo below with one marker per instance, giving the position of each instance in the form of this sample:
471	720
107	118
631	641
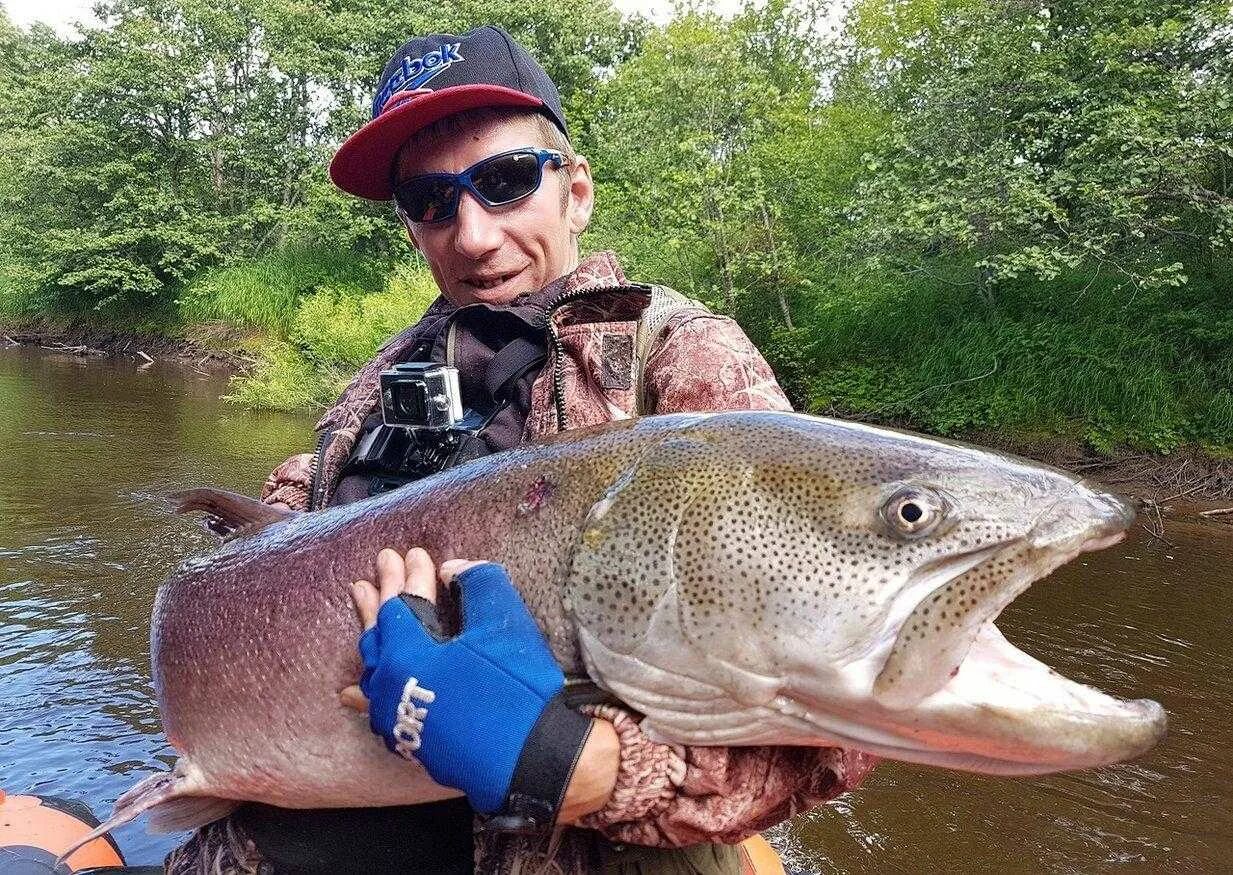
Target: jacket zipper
314	468
558	353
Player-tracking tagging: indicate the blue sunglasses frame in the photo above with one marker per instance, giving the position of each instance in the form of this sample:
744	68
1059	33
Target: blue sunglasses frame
463	181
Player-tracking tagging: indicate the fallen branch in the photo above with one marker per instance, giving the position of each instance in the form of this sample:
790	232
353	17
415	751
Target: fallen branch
149	360
10	341
1157	529
80	349
1182	494
1220	511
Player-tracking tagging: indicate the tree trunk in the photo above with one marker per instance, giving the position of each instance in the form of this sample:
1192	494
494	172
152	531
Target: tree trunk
770	236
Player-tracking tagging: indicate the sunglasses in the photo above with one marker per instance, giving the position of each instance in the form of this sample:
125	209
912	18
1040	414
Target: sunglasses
495	181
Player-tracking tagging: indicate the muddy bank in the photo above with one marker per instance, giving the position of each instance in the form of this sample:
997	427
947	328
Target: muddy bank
210	348
1188	477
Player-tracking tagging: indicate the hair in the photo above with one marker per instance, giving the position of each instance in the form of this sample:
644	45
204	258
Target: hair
458	124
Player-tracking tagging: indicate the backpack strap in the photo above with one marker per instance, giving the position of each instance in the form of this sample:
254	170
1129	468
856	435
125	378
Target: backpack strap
665	304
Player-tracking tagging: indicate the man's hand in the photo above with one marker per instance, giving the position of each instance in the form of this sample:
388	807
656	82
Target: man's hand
413	576
479	711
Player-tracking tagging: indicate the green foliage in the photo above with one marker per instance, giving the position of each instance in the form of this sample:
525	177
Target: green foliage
1047	359
344	326
283	380
180	135
325	331
265	292
689	140
1034	139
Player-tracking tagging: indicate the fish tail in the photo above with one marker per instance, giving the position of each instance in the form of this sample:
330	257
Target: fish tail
167	794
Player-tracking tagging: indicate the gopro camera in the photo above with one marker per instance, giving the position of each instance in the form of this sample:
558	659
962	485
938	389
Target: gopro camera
424	431
421	396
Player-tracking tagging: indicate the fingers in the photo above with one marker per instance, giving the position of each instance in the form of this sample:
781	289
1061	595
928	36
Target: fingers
367	602
411	574
395	574
391	574
353	698
454	567
421	577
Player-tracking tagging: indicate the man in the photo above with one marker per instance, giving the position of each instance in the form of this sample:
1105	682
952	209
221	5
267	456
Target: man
469	140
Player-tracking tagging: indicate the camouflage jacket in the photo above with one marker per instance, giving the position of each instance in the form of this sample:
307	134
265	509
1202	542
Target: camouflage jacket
701	362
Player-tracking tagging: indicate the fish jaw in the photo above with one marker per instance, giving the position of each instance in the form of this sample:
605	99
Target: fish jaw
1003	713
997	710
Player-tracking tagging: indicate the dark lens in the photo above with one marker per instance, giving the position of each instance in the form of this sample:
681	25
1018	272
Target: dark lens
506	178
410	402
427	198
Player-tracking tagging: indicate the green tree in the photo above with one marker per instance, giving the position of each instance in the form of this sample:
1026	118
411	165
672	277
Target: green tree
1032	138
703	147
182	134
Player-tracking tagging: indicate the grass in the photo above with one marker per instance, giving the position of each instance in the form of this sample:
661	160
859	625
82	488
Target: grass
324	336
266	292
1096	361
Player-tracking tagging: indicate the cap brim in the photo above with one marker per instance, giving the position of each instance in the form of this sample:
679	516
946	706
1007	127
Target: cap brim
363	163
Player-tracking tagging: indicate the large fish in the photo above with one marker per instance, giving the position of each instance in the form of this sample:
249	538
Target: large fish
740	578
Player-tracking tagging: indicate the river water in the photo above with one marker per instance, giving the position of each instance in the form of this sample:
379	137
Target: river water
89	448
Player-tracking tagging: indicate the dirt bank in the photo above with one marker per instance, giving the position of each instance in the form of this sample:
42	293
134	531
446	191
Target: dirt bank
1189	475
211	348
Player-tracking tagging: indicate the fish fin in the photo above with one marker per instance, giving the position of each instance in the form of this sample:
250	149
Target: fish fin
156	790
229	514
189	812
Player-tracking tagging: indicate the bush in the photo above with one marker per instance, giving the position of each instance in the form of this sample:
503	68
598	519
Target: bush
1046	358
283	380
344	326
266	293
331	332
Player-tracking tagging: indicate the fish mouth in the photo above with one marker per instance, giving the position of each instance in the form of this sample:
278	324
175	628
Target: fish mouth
1002	711
972	701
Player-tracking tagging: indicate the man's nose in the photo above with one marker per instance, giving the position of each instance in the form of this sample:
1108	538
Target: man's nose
476	231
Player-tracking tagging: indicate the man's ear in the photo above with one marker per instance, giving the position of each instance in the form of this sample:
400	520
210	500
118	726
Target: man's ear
581	196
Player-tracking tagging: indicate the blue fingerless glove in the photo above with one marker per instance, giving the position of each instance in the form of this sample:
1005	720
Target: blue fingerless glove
480	711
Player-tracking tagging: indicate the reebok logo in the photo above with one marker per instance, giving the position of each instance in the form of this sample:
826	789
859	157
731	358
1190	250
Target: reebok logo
416	73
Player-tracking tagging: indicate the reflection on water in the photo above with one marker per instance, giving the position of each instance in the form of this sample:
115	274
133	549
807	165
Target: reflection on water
88	449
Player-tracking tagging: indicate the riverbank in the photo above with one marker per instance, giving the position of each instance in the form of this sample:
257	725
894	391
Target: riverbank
1190	479
1189	474
210	351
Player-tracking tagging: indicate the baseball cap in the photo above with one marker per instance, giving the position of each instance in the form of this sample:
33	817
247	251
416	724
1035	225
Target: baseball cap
432	77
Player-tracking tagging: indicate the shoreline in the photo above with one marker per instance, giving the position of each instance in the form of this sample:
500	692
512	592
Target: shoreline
1186	482
145	348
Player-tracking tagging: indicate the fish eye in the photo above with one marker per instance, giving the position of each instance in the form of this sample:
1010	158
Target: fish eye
913	511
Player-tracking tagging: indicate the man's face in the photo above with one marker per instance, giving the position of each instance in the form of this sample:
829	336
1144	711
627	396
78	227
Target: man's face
492	255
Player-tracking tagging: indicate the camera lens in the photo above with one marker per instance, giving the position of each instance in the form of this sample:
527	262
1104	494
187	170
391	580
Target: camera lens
411	402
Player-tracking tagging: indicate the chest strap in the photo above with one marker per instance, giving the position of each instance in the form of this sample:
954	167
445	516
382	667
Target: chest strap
665	304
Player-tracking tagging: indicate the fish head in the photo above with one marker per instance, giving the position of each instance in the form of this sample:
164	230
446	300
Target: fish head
765	578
